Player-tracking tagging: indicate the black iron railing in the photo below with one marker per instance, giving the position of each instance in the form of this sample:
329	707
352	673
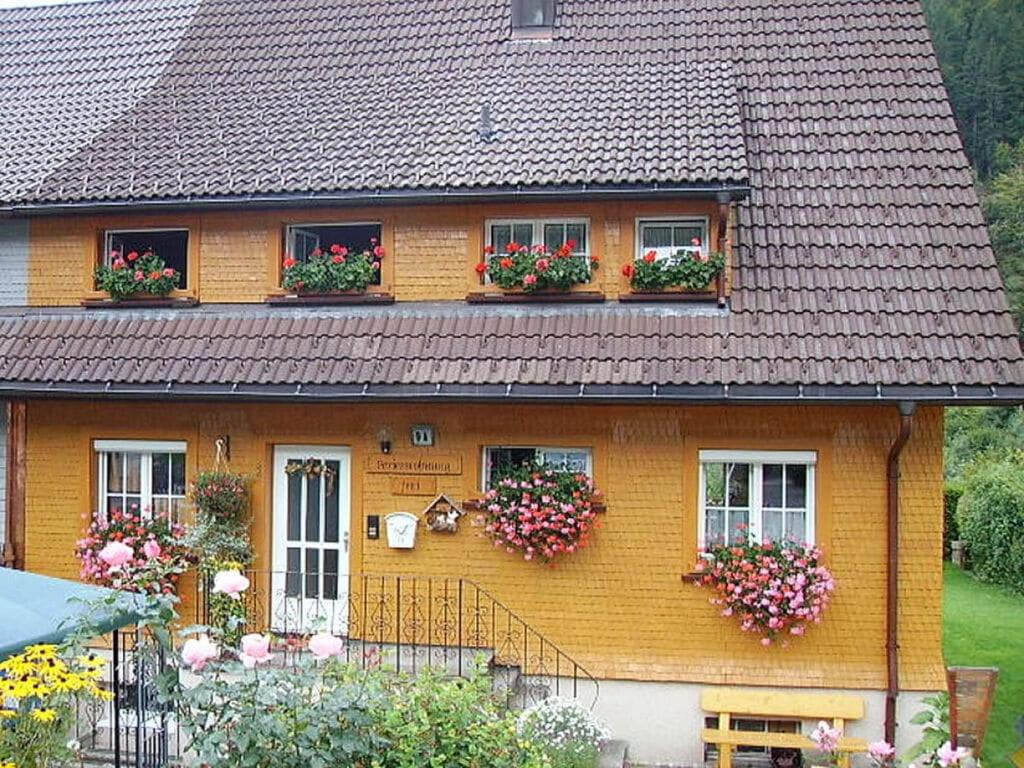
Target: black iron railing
406	623
135	728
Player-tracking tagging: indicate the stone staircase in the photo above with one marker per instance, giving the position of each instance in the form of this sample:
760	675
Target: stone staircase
614	754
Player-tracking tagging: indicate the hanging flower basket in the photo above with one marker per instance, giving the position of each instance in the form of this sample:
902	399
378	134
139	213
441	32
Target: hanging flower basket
774	589
539	512
334	271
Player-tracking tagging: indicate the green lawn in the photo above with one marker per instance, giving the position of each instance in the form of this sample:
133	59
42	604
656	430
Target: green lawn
984	627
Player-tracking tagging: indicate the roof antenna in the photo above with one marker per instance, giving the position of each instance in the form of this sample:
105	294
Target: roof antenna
486	129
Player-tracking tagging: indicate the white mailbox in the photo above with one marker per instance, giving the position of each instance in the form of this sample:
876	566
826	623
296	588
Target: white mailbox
401	527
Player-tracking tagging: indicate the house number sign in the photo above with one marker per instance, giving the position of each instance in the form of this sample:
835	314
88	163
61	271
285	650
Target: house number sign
434	464
414	485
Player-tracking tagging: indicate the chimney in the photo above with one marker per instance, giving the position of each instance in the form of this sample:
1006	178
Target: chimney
533	18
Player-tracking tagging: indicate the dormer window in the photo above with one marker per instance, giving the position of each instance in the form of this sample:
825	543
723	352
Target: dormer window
533	16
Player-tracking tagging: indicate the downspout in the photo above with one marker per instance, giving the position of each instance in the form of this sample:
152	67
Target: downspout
892	586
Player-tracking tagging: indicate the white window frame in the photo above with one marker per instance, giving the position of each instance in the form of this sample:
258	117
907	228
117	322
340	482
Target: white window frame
538	233
301	225
539	449
757	460
145	447
703	221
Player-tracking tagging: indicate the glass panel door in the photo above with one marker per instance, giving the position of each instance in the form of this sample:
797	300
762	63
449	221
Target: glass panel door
311	540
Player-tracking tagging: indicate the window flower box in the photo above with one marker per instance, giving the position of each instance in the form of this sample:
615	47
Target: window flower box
334	272
135	276
688	275
537	271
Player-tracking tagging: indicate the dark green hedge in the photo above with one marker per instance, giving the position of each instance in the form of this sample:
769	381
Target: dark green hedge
990	515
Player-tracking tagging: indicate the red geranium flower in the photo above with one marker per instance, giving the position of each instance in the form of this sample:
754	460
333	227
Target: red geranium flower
132	255
506	263
481	268
155	275
489	250
336	249
650	256
629	271
338	259
289	262
512	247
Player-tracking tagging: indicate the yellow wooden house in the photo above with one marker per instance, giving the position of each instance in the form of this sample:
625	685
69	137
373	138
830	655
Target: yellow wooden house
811	143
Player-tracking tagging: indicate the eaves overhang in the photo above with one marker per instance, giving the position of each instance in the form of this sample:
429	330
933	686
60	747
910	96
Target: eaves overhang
706	394
721	192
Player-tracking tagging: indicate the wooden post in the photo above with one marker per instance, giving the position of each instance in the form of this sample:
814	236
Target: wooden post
724	750
16	437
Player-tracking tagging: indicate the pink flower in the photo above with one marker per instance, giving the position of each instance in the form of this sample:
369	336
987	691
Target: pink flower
151	549
542	264
116	554
324	646
119	263
197	651
881	751
378	251
230	583
826	737
530	279
168	272
255	650
949	756
139	276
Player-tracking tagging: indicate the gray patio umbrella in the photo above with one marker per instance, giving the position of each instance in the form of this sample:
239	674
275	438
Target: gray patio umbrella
41	609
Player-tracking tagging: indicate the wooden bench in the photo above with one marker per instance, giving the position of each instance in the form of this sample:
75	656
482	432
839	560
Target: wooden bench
729	703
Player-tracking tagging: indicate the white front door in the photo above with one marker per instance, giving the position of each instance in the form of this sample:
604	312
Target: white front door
312	504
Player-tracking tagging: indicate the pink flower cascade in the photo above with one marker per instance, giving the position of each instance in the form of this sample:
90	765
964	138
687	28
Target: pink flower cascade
540	512
774	589
128	551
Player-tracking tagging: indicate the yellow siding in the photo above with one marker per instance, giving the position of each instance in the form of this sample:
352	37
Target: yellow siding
236	256
621	608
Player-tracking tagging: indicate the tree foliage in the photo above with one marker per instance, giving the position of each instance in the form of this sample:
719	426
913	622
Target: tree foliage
980	45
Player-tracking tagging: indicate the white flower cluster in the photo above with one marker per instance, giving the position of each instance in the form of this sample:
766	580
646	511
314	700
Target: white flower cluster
563	725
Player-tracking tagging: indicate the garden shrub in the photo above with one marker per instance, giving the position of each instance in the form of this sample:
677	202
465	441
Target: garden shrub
565	731
305	716
990	515
431	720
950	528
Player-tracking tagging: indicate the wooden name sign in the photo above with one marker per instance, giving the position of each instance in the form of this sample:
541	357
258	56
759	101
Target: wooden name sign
432	464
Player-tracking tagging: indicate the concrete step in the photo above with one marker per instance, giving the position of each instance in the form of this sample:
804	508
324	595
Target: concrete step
613	754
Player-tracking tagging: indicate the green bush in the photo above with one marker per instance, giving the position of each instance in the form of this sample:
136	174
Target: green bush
431	720
950	527
990	515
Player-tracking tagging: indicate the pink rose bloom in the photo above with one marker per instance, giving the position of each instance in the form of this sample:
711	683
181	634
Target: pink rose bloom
255	650
826	737
197	651
324	646
230	583
881	751
949	756
116	554
151	549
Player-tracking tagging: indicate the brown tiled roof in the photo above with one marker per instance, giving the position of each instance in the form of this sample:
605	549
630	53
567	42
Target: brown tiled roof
608	349
861	254
256	97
